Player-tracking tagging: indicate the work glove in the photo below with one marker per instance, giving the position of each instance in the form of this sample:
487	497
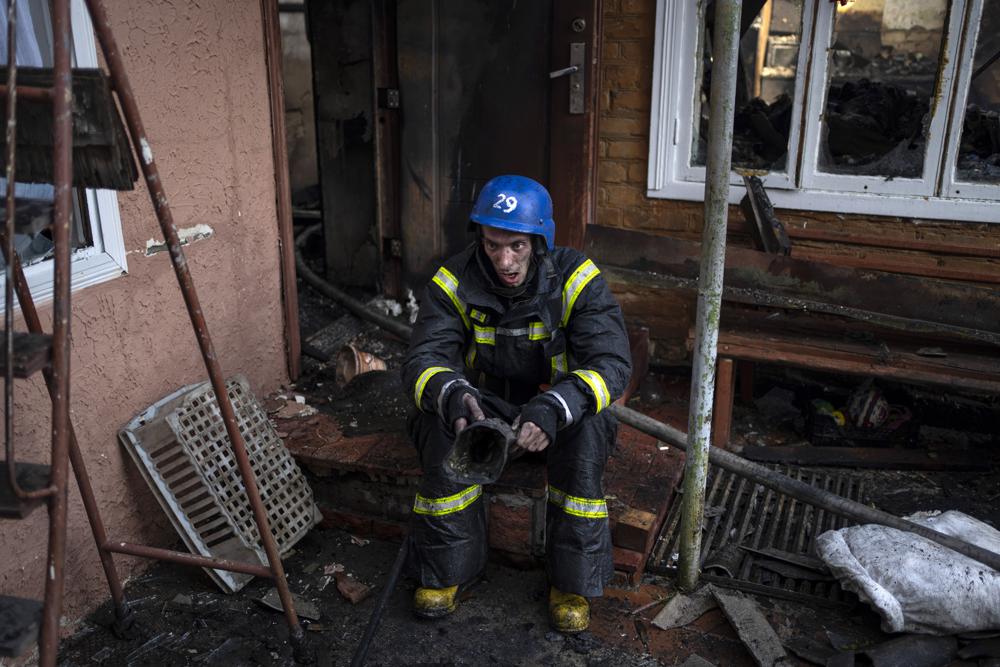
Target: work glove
461	406
541	412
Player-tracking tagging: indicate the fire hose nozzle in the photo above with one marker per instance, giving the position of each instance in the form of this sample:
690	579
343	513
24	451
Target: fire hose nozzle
480	452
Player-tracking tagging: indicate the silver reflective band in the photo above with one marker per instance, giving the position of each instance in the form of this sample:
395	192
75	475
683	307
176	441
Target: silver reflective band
562	402
448	504
588	508
484	335
444	390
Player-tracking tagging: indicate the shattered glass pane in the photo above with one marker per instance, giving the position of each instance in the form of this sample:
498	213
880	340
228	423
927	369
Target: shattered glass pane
883	69
765	84
979	152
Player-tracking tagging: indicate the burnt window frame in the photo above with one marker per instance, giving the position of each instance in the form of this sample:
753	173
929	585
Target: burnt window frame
937	195
105	258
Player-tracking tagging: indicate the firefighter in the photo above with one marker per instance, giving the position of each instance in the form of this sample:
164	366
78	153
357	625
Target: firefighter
517	328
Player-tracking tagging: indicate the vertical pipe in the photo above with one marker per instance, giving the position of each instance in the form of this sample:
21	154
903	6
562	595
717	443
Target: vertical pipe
62	176
726	38
8	242
140	144
283	194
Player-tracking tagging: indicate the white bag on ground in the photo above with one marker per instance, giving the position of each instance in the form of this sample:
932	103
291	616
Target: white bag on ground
917	585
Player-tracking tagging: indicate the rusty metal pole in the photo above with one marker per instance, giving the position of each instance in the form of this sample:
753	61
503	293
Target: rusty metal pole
8	247
62	176
726	38
130	109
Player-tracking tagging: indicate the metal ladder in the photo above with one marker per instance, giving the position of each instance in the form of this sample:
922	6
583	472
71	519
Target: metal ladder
25	486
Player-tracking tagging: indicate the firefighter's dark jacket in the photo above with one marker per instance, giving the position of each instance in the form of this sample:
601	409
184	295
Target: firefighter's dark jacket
566	331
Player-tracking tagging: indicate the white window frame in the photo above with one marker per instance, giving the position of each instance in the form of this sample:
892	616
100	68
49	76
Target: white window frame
105	259
803	186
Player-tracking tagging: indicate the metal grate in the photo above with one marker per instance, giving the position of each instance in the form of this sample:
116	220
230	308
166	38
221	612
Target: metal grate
183	451
761	540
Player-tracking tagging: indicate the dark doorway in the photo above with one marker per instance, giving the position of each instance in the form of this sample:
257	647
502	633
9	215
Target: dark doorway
420	102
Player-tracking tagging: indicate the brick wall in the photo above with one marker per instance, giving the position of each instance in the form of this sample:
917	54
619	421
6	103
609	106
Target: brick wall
627	71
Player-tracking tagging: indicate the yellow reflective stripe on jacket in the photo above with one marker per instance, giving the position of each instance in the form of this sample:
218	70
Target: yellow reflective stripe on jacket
484	335
449	284
448	504
537	331
423	379
470	356
574	286
597	385
589	508
559	365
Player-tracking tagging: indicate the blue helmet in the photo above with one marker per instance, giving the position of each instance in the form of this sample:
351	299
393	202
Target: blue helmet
517	204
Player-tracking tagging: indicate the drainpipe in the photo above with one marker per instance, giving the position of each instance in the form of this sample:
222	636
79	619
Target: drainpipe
726	38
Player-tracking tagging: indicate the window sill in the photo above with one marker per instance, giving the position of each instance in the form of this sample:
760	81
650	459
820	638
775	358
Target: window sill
907	206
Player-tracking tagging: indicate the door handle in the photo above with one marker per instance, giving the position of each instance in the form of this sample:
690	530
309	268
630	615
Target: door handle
577	55
572	69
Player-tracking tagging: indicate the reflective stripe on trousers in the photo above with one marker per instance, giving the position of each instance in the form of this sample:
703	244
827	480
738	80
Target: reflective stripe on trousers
588	508
448	504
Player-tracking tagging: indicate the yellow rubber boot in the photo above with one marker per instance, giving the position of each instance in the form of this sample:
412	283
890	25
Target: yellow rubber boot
568	612
434	602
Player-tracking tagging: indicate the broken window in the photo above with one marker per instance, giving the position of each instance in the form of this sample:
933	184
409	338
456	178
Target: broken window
979	150
874	97
95	228
765	85
883	68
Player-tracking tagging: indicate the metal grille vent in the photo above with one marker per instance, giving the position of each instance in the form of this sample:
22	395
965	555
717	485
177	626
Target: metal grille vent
760	540
182	449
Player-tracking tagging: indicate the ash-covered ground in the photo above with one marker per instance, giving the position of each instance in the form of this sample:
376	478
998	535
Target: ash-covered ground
184	619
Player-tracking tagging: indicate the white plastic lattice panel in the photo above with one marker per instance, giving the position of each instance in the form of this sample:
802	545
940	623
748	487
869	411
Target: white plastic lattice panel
182	448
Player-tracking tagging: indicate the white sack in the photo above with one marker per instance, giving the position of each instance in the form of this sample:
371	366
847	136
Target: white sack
914	584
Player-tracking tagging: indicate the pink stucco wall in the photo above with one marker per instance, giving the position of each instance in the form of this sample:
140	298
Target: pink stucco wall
199	73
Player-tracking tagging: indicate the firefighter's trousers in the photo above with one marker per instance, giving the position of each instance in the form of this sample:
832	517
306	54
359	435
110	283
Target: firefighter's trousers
448	536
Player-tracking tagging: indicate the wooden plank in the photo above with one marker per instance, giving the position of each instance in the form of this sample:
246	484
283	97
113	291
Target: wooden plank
895	301
968	372
283	193
867	457
32	353
930	267
751	626
722	417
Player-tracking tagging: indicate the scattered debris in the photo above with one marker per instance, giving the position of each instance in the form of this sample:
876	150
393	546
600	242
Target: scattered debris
913	651
295	408
351	588
695	660
683	609
648	605
304	608
811	650
751	626
333	569
352	362
359	541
